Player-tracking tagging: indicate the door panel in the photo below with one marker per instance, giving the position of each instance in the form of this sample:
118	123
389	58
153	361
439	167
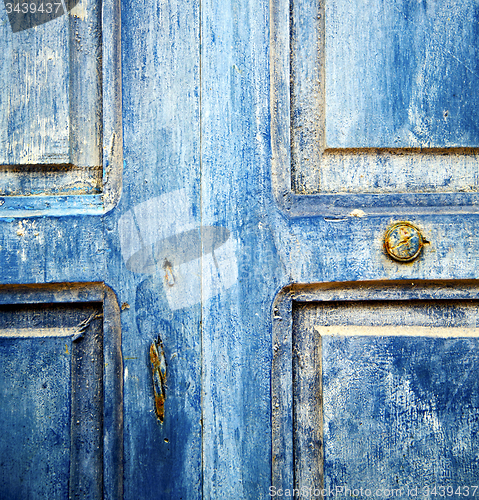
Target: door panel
35	447
400	412
383	392
35	78
401	74
370	98
60	410
60	139
53	86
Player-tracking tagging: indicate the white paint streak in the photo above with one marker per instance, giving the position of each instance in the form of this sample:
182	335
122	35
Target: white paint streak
80	11
39	332
396	331
357	213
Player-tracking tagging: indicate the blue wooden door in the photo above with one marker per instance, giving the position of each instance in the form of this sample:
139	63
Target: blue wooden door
373	113
196	208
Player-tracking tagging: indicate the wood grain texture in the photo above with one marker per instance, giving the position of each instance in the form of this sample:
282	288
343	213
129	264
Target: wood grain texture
51	91
404	407
70	392
401	74
369	112
161	200
361	393
35	123
62	113
236	362
308	397
207	144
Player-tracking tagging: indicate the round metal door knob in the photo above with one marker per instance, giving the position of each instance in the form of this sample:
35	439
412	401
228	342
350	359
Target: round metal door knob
403	241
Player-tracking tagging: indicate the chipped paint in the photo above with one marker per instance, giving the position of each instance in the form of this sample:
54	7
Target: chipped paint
80	11
357	213
83	326
28	228
62	108
33	331
201	127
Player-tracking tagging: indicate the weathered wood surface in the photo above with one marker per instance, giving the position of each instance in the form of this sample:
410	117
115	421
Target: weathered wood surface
60	93
34	94
61	411
397	411
50	90
370	112
401	74
161	198
202	112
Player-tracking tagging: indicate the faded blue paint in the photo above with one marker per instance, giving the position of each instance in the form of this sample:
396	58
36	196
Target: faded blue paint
200	114
400	413
402	74
35	408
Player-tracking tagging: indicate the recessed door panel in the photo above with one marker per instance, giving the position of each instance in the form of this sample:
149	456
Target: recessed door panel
400	412
401	74
51	411
52	83
375	98
398	389
384	392
60	127
35	417
60	394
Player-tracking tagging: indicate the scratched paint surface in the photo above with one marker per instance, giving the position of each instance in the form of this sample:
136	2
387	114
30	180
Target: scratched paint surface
396	411
197	101
160	46
402	74
35	414
400	412
371	80
35	123
51	410
50	115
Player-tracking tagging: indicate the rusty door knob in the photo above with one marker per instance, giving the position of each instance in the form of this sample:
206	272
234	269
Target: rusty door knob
403	241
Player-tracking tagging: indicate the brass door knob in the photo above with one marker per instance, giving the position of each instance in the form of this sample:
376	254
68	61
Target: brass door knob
403	241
